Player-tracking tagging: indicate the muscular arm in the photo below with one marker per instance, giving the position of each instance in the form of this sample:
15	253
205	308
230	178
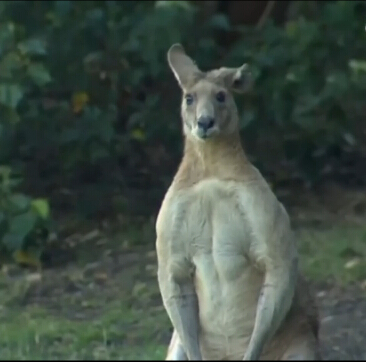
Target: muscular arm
180	301
280	260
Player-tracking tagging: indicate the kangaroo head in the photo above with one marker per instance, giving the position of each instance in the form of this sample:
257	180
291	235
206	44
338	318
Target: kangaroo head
208	108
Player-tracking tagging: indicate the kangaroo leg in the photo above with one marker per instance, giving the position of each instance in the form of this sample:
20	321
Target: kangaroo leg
304	348
175	349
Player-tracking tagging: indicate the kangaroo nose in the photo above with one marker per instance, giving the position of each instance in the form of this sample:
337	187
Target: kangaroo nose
205	122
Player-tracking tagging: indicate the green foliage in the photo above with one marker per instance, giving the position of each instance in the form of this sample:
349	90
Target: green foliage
85	89
23	220
309	84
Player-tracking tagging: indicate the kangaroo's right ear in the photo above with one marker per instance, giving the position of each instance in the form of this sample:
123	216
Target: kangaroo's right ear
182	65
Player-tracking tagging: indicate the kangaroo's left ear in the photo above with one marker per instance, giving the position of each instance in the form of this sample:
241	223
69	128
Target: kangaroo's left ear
238	80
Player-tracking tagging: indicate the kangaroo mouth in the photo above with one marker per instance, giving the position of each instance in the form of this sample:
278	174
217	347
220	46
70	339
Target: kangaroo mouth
204	134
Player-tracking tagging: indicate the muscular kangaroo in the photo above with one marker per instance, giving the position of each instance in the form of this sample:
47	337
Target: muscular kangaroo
227	260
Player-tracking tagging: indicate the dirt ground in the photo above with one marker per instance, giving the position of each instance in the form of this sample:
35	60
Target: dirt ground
343	323
104	302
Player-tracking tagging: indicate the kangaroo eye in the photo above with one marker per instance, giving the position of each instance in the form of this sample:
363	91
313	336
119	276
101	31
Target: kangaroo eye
189	99
238	83
220	97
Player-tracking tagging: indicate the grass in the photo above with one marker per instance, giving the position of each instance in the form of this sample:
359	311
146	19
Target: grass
33	333
80	324
109	308
338	253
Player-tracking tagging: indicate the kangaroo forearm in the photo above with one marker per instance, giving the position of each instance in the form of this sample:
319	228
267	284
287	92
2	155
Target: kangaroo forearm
273	305
183	313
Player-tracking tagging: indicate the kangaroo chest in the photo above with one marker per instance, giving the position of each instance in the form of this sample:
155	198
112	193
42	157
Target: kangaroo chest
211	222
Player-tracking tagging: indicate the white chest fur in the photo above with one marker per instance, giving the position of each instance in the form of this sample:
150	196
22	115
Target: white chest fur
213	217
211	225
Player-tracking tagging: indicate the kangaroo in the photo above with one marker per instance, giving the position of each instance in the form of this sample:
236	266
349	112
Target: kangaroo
227	259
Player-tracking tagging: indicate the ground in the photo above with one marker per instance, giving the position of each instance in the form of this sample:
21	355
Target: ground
105	304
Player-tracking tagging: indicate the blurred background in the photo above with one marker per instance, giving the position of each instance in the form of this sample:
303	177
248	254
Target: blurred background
90	138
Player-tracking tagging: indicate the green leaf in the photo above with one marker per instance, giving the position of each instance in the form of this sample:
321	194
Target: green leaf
39	74
63	7
69	135
33	47
29	258
179	4
291	29
3	223
92	62
20	201
247	117
41	206
5	172
13	241
15	181
138	134
357	65
106	132
23	224
3	7
97	153
220	21
9	115
9	64
11	94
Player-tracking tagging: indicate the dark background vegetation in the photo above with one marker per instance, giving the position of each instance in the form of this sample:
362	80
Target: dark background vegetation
90	138
89	111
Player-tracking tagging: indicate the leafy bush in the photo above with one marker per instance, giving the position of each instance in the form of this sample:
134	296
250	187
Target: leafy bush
24	222
310	85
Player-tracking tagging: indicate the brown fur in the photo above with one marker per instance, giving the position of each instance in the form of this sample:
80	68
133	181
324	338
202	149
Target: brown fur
214	168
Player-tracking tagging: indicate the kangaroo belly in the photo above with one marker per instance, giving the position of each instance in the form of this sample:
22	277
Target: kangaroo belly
227	297
227	300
